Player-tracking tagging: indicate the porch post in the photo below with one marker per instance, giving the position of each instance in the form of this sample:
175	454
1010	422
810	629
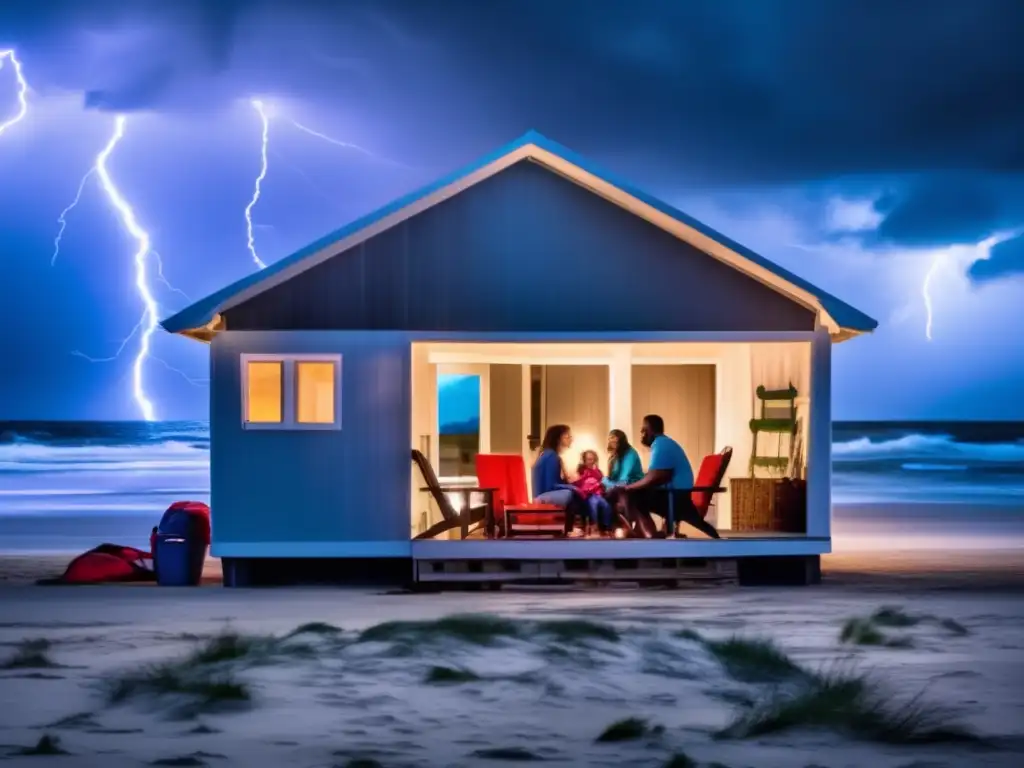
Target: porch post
819	453
620	390
527	423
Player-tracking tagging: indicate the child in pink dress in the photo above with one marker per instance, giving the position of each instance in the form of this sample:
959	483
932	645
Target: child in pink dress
588	485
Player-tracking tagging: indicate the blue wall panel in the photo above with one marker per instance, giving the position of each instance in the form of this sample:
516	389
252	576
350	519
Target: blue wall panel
525	250
303	491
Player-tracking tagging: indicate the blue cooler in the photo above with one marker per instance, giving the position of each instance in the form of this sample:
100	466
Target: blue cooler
180	551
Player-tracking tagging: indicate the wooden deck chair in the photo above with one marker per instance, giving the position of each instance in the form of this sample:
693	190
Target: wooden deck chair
468	516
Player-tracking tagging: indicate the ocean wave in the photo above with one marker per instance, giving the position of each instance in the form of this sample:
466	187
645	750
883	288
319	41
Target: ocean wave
94	434
913	447
38	457
40	493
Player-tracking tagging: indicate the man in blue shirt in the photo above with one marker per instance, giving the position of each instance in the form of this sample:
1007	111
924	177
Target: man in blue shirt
668	474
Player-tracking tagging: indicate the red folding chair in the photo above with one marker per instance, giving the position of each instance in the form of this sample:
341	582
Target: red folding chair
514	513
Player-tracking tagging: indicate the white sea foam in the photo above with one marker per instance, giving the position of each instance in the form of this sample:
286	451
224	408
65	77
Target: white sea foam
916	446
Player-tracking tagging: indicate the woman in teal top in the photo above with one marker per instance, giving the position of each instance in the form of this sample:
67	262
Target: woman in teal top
623	461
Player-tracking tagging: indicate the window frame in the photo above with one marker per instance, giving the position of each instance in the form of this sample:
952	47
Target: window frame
289	391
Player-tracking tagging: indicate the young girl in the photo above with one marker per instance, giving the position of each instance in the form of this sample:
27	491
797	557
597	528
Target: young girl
589	485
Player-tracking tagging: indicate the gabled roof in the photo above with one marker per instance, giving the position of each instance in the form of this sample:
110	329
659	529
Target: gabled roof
841	319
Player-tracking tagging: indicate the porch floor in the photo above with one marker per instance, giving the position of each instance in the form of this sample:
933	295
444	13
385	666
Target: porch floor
731	545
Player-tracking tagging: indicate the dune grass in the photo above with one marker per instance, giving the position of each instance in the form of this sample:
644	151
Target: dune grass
315	628
865	632
870	630
475	629
200	681
483	629
855	706
439	675
688	634
46	746
630	729
577	630
894	617
954	627
512	754
30	654
190	691
754	660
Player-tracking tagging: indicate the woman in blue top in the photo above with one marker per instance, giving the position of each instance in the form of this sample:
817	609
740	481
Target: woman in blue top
624	465
551	478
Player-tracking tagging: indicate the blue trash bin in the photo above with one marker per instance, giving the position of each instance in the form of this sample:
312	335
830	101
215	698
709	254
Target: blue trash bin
180	551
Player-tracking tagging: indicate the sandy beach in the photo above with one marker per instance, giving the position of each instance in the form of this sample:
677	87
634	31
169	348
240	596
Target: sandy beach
531	675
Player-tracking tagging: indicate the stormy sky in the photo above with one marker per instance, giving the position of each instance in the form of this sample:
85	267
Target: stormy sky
875	148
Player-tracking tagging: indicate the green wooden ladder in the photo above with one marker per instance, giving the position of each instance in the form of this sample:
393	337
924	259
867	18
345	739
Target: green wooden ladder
778	417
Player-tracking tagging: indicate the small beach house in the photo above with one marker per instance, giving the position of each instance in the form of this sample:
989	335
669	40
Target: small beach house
563	295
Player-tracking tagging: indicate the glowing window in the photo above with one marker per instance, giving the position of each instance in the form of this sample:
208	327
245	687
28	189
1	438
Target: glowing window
291	392
315	390
264	389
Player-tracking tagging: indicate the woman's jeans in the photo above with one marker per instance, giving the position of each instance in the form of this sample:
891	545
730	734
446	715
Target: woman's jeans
600	512
567	498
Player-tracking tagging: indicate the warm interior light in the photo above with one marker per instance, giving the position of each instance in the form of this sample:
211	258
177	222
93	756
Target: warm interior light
264	396
620	533
315	392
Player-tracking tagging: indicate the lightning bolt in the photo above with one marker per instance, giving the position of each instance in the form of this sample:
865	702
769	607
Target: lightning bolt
258	106
147	324
62	219
346	144
9	55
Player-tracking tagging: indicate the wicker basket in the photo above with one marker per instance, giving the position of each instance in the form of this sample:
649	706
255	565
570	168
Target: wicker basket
767	504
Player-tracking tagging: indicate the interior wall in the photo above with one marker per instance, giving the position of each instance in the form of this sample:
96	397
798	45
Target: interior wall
507	428
684	396
776	366
578	395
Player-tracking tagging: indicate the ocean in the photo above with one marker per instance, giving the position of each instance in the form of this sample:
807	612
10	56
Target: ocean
66	486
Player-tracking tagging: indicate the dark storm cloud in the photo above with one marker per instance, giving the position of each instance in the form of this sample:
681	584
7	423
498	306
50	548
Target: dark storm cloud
941	211
1005	259
721	89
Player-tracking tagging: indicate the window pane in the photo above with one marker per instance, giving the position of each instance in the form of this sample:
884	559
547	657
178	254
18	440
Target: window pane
458	418
264	395
315	393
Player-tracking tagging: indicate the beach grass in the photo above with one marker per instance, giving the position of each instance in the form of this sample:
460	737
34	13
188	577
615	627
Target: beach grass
859	631
629	729
191	690
438	675
483	629
511	754
754	660
46	746
475	629
30	654
870	630
854	705
315	628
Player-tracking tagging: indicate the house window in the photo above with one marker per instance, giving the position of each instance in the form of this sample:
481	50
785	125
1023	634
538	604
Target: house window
315	392
264	392
292	392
